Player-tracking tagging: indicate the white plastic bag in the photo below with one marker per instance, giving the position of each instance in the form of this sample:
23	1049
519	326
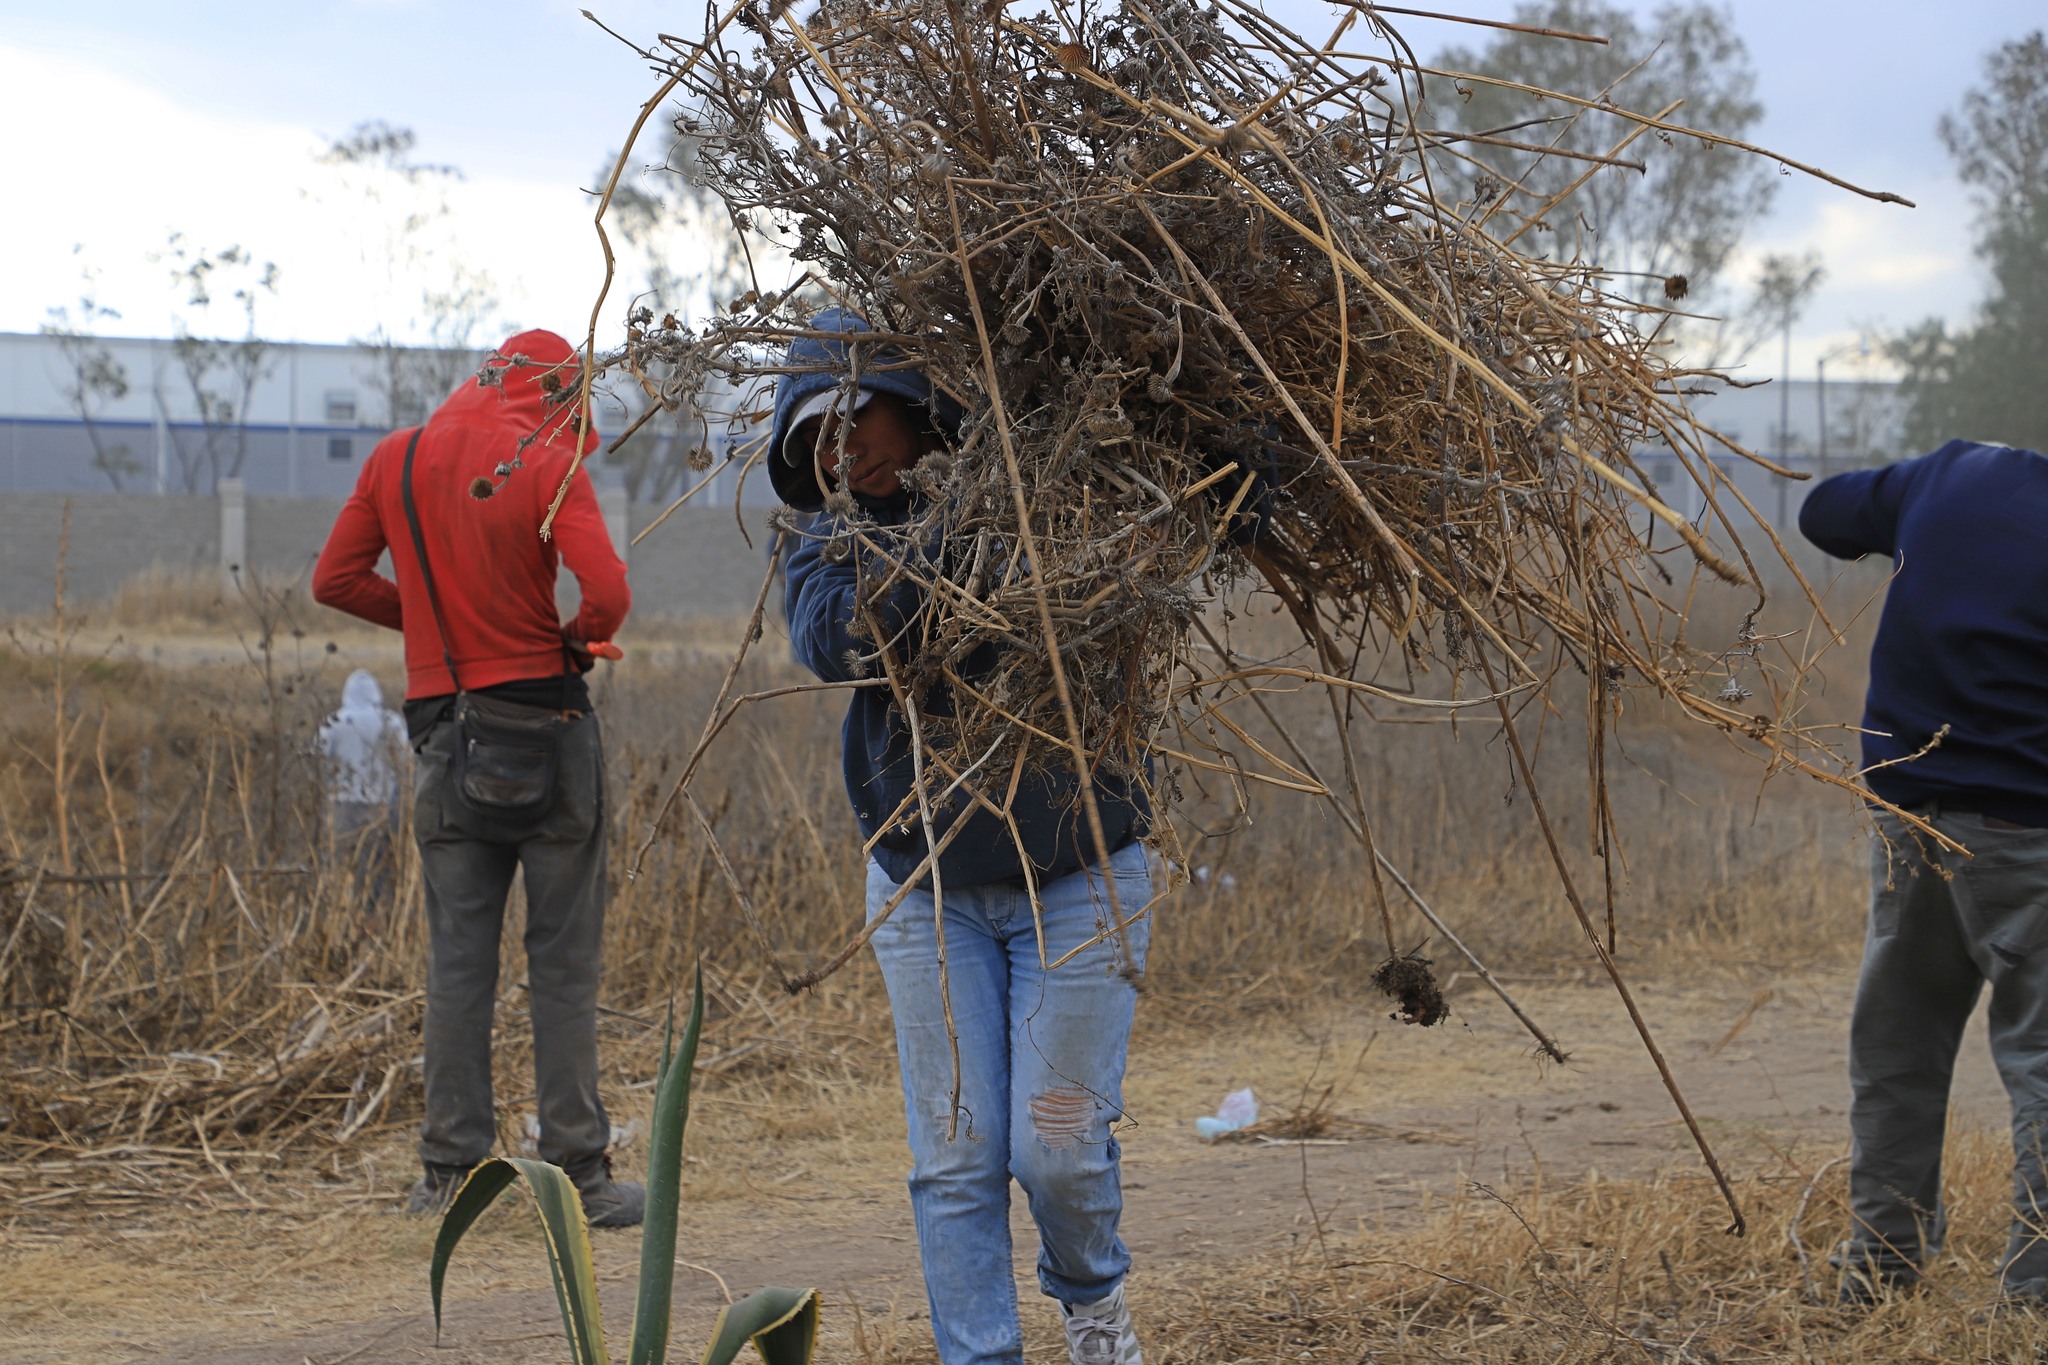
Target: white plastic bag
1240	1109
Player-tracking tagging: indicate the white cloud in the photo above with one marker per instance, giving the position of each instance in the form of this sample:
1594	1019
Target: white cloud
123	167
1900	249
1887	267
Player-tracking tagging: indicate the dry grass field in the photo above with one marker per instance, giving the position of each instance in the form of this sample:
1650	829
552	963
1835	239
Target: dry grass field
208	1043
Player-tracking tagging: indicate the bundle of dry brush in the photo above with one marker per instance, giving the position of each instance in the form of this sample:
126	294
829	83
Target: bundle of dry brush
1187	274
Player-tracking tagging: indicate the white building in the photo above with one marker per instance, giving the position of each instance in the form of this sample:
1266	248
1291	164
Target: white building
289	419
296	420
153	416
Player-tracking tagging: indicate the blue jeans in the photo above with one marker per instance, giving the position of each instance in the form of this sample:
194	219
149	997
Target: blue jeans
1041	1086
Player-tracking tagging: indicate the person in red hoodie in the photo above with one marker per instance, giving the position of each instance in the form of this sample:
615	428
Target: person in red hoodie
511	767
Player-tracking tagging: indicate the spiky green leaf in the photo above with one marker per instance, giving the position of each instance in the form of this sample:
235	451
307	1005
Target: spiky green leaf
782	1324
478	1192
664	1191
567	1236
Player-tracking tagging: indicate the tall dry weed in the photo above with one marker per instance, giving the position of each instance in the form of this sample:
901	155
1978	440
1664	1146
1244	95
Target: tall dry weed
187	600
185	967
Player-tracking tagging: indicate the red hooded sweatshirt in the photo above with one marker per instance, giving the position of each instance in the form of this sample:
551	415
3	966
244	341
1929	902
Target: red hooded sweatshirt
495	574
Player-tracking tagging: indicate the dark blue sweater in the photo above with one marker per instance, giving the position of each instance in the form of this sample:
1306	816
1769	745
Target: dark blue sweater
1963	641
819	599
1051	824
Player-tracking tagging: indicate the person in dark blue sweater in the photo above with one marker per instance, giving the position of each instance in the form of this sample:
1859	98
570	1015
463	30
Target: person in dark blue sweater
1955	731
1041	1051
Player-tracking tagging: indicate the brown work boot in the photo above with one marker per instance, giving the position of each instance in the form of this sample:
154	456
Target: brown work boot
608	1203
435	1188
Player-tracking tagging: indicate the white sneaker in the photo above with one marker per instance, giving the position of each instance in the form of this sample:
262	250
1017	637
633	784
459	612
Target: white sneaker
1101	1333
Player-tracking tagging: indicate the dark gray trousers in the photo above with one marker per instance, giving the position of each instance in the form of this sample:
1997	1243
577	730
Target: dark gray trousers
1941	925
467	862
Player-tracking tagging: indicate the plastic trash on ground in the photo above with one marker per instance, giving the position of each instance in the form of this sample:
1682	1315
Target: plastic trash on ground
1240	1109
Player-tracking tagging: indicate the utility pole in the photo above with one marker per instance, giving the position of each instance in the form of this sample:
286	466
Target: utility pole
291	438
1784	418
162	427
1820	372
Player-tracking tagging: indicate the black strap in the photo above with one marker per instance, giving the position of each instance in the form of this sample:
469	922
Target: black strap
419	549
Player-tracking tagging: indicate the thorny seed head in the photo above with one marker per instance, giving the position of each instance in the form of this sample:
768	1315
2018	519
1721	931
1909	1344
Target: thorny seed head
1088	317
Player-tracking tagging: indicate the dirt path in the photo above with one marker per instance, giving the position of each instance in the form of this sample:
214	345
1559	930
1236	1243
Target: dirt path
814	1197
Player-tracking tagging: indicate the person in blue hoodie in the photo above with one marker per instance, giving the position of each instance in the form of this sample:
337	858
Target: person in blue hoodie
1041	1053
1955	730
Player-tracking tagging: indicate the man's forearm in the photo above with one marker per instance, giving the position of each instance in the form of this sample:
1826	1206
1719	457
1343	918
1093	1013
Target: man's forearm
369	597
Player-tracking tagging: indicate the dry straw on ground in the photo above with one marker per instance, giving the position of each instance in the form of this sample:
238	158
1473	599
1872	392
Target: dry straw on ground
1188	275
195	994
1611	1270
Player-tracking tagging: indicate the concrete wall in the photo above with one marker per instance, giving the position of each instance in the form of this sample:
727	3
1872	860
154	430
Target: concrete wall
696	564
112	538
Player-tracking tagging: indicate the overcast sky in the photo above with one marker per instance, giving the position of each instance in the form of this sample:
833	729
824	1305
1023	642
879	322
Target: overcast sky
131	120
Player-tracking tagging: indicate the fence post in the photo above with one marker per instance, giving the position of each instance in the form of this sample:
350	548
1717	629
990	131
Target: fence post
234	531
612	503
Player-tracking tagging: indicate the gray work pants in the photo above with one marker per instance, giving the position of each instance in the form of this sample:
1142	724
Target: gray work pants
1941	925
467	862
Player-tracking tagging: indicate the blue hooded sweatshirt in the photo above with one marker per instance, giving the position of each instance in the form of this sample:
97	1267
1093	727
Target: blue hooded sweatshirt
876	751
1963	641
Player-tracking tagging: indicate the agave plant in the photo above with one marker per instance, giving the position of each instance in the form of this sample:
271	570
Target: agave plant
781	1323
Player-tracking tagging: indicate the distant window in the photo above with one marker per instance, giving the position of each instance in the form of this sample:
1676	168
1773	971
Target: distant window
341	448
341	407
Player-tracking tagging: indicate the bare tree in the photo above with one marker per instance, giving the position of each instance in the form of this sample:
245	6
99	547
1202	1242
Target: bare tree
1985	380
1779	292
693	257
95	377
1661	234
1999	137
221	374
420	356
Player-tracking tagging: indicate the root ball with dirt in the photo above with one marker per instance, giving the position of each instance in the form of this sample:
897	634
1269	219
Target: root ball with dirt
1410	984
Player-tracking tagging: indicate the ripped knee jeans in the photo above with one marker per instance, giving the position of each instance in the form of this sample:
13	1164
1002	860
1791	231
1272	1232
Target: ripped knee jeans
1039	1087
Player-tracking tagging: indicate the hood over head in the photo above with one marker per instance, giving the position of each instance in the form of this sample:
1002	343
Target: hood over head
821	364
361	692
527	388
